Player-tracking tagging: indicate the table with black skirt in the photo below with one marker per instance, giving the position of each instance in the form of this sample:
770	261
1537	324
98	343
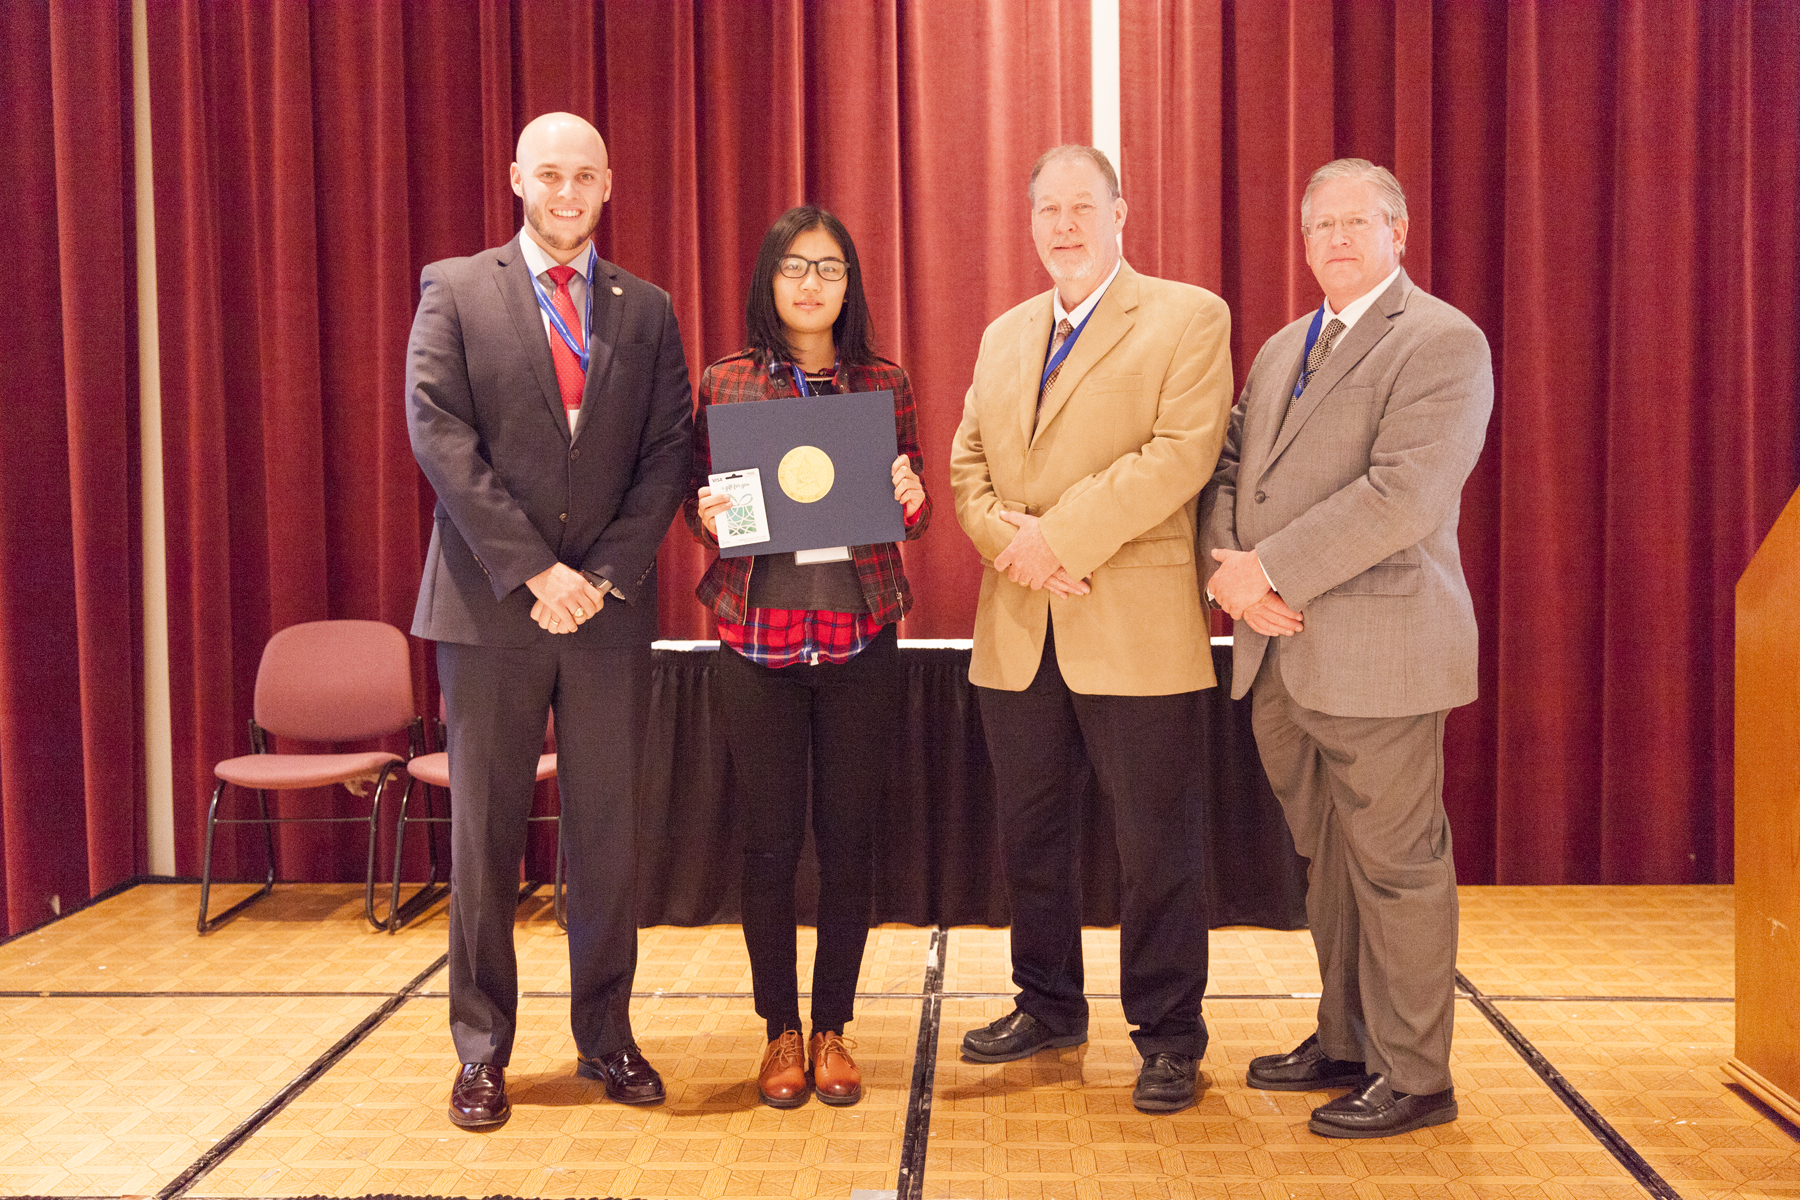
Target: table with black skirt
937	858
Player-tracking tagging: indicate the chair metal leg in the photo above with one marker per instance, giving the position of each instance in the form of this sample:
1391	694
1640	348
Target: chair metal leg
205	925
431	845
369	879
262	803
393	921
558	902
429	893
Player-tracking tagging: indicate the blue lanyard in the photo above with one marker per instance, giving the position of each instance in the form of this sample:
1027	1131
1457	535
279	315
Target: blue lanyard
1312	336
800	388
1062	351
578	349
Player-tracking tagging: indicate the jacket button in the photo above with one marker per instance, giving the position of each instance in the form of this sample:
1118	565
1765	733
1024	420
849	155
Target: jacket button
575	452
564	517
1261	496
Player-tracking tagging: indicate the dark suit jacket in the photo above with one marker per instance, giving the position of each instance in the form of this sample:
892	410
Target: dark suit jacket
516	491
1350	496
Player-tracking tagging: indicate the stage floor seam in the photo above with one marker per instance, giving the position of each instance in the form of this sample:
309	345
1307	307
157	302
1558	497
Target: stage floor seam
1629	1068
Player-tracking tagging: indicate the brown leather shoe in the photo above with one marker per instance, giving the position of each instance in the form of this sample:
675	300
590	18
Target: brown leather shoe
478	1097
834	1072
781	1079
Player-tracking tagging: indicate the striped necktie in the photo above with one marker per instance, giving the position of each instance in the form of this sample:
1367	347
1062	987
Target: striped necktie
1063	330
1322	348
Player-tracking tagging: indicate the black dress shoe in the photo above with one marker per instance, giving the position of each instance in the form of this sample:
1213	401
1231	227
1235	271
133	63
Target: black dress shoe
1307	1068
628	1075
1377	1110
478	1097
1016	1035
1166	1083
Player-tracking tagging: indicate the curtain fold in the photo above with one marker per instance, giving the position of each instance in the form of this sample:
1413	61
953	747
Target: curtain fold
71	727
1610	193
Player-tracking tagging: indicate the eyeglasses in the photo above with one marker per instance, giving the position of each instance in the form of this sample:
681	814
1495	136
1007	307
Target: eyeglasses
830	269
1324	227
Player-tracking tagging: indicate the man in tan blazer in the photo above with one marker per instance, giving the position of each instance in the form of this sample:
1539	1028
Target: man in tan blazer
1331	531
1095	416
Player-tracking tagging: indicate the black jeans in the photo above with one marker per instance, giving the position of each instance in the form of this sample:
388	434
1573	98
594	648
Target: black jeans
838	721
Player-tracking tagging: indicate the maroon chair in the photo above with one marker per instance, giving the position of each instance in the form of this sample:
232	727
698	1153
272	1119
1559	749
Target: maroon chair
322	681
433	770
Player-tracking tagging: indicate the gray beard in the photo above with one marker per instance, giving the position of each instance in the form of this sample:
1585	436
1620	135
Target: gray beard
1063	274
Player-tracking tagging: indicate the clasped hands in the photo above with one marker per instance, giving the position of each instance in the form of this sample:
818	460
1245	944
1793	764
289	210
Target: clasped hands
565	599
1241	589
1028	560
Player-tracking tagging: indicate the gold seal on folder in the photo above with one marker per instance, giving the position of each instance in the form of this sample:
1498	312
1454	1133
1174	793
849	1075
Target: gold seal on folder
805	474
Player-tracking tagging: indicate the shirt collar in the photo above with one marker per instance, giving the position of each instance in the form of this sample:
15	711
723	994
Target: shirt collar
539	260
1362	303
1086	306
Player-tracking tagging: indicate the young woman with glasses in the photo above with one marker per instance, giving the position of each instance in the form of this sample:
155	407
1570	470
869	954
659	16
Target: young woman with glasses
809	679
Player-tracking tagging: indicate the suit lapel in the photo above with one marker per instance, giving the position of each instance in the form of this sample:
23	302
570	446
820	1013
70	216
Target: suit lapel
514	281
609	317
1112	319
1034	340
1369	329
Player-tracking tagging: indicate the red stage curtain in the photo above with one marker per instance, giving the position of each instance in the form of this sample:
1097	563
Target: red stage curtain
1610	192
71	727
310	161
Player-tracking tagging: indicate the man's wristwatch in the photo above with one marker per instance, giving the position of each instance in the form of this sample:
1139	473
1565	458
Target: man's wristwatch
602	585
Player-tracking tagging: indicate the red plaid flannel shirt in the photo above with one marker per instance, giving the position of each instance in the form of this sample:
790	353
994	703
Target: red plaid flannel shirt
779	637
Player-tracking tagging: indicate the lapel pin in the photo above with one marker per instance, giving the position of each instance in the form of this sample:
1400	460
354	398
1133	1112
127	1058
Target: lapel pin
618	291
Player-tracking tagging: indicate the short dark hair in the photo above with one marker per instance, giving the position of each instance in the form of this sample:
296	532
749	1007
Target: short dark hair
851	332
1097	157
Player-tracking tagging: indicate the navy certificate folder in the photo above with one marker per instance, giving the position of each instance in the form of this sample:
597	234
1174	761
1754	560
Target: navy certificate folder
826	465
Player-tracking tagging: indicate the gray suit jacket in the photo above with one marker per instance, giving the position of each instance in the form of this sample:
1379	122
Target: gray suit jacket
516	491
1350	495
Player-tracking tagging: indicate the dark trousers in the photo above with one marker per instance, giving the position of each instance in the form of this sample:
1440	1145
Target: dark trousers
836	722
1043	741
497	700
1364	797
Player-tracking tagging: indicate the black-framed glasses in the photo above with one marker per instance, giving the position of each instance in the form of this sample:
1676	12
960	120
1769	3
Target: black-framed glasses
830	269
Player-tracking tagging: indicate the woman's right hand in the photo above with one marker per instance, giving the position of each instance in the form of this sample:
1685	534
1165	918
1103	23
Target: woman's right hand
710	507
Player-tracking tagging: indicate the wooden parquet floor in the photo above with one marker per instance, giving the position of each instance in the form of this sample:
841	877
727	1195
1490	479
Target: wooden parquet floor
296	1052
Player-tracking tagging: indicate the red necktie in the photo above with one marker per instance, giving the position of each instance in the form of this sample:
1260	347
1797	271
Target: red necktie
569	375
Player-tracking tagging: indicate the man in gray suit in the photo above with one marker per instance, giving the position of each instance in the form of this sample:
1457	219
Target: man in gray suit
548	404
1331	523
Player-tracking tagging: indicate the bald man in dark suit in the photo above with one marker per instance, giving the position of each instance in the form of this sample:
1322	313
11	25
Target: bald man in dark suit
548	404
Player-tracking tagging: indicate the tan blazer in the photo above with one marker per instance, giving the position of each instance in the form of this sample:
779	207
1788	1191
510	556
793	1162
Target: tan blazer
1126	438
1350	495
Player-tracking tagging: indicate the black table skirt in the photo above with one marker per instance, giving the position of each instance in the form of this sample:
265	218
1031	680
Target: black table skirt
937	860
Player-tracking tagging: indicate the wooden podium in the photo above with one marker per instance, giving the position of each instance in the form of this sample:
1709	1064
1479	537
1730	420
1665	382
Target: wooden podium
1767	1058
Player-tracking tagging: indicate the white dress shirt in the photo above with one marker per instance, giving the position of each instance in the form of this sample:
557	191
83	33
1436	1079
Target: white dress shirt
1360	305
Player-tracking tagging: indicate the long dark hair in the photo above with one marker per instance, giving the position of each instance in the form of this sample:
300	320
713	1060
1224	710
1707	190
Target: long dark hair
768	336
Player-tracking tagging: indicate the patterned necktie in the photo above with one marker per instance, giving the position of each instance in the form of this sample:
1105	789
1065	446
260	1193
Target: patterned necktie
1063	330
569	376
1322	348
